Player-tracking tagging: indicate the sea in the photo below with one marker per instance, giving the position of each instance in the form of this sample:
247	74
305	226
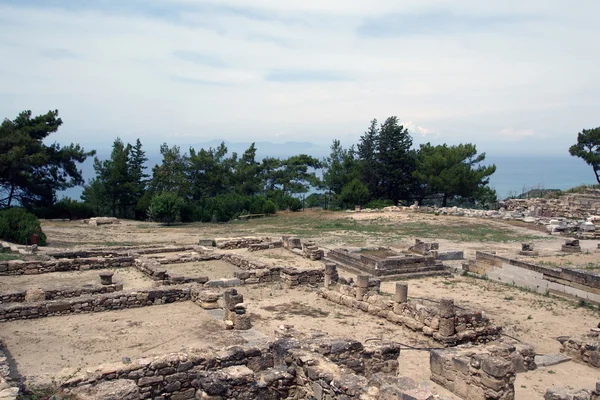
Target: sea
517	174
514	174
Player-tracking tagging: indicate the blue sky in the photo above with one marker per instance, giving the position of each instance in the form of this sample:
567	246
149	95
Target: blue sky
512	76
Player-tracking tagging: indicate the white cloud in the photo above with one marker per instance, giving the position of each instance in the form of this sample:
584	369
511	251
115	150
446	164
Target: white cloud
115	72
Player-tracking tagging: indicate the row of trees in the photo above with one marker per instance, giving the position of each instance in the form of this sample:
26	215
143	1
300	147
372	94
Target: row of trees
215	185
208	184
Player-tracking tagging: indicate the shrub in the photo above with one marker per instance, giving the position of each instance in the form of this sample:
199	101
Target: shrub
165	208
18	226
269	207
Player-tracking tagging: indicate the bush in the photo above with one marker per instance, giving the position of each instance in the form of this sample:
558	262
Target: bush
269	207
18	226
165	208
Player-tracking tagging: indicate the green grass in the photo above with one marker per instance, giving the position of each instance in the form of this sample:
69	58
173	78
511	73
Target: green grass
9	256
339	224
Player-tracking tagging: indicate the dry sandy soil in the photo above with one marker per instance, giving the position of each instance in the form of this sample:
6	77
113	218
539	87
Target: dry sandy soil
43	347
213	269
130	278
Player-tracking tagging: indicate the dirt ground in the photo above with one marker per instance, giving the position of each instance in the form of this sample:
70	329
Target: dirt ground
280	257
129	277
528	317
42	348
214	269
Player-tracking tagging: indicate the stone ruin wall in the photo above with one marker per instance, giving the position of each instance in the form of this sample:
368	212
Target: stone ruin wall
286	368
20	296
579	284
444	324
18	267
94	303
575	206
582	349
8	388
483	372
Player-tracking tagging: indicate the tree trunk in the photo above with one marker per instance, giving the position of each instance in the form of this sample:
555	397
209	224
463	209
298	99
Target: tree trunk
445	200
10	196
596	169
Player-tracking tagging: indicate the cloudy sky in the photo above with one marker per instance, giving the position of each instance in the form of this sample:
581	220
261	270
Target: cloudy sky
510	76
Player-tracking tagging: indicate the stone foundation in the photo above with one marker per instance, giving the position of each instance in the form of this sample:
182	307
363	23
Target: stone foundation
483	372
442	323
94	303
18	267
583	349
287	368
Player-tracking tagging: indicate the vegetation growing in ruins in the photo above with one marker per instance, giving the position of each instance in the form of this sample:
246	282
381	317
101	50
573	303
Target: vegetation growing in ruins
18	226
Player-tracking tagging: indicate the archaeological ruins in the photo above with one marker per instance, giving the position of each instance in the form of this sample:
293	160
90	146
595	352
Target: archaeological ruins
282	316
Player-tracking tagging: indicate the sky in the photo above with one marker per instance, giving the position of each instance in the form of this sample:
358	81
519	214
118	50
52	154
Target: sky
513	77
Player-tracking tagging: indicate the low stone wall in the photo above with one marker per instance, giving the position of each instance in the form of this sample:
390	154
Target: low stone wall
293	277
579	284
483	372
287	368
8	388
271	274
119	251
265	246
95	303
462	326
583	349
19	296
239	243
243	262
18	267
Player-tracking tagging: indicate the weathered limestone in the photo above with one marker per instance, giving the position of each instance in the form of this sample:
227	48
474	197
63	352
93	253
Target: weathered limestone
95	303
240	242
331	275
387	264
401	295
447	317
106	278
235	311
528	250
480	373
571	246
582	349
567	282
18	267
466	325
35	295
362	286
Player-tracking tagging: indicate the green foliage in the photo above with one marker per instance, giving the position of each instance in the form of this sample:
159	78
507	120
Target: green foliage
66	208
30	171
386	160
354	193
165	208
379	203
18	226
450	171
341	167
269	208
120	181
588	149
